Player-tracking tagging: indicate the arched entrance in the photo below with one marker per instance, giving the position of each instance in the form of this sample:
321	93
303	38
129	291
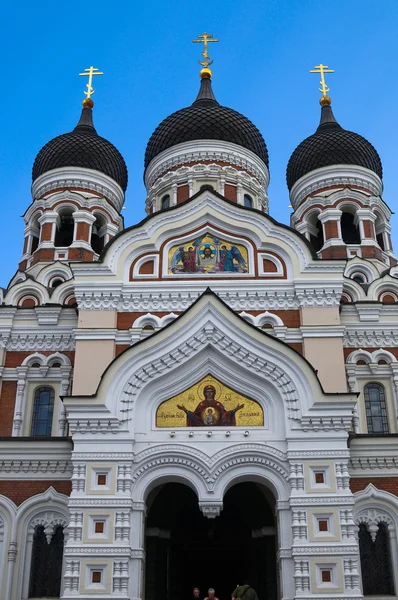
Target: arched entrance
186	549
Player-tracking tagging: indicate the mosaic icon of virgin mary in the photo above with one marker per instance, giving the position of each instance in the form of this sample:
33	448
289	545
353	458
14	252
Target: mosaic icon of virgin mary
210	412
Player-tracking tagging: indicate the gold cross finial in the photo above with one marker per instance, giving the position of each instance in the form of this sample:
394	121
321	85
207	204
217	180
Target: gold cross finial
87	102
322	69
205	38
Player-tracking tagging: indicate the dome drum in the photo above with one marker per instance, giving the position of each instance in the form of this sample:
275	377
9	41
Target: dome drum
180	184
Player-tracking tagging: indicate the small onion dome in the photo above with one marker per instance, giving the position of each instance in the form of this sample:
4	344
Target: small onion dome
331	145
83	148
206	119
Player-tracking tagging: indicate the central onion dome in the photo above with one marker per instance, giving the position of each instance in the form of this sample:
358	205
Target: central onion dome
83	148
331	145
206	119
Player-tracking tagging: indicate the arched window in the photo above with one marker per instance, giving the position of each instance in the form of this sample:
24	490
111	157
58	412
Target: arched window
317	240
98	235
65	230
349	230
46	565
43	408
376	410
376	564
165	201
247	201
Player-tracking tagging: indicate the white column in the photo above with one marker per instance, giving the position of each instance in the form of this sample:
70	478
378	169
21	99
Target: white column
62	423
174	194
284	552
137	570
20	401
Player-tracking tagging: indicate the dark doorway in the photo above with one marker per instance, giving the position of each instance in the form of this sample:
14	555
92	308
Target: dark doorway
186	549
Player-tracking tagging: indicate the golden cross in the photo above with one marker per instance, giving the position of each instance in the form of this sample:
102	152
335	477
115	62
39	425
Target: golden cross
89	73
205	38
322	69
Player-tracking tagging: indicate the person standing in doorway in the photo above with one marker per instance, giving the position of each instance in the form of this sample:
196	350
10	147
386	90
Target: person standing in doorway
196	594
211	595
244	592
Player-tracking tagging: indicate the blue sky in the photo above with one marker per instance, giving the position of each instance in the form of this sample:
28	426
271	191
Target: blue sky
261	68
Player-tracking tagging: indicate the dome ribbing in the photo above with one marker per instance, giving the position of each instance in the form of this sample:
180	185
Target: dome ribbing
331	145
84	148
206	119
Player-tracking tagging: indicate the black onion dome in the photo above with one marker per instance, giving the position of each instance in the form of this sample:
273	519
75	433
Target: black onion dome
82	147
331	145
206	119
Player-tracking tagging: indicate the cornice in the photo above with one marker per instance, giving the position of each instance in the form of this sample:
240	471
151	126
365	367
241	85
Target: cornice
333	176
200	150
74	177
177	297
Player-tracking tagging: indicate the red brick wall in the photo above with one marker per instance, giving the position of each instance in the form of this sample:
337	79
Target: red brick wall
182	193
388	484
83	231
7	404
331	230
18	491
147	268
230	192
368	229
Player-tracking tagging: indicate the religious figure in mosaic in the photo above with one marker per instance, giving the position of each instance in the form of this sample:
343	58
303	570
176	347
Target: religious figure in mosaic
209	403
210	412
208	254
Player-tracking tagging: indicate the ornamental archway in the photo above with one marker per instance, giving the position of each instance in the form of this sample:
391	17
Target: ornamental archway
184	548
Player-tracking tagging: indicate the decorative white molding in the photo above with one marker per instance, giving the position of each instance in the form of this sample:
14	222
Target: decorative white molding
75	177
179	301
335	175
199	150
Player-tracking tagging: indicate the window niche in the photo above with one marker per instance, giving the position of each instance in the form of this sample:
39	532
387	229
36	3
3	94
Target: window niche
46	564
65	229
349	230
376	408
97	241
376	563
247	201
165	202
43	409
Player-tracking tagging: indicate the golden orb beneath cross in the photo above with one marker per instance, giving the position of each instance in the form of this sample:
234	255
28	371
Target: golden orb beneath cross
206	73
88	103
325	101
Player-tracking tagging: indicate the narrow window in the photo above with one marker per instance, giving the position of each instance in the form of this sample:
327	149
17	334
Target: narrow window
323	525
64	233
376	409
247	201
319	477
43	408
349	230
165	201
46	565
98	236
376	564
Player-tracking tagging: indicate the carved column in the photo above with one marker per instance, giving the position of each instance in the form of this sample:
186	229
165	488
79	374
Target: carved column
137	570
20	401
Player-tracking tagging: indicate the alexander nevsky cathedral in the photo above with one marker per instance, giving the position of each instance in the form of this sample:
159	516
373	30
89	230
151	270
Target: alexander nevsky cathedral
206	396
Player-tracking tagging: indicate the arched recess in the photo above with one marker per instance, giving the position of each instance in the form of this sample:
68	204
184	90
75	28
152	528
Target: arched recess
184	548
48	510
209	338
372	508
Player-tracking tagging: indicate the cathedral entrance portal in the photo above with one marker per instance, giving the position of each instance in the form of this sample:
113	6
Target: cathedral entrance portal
186	549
